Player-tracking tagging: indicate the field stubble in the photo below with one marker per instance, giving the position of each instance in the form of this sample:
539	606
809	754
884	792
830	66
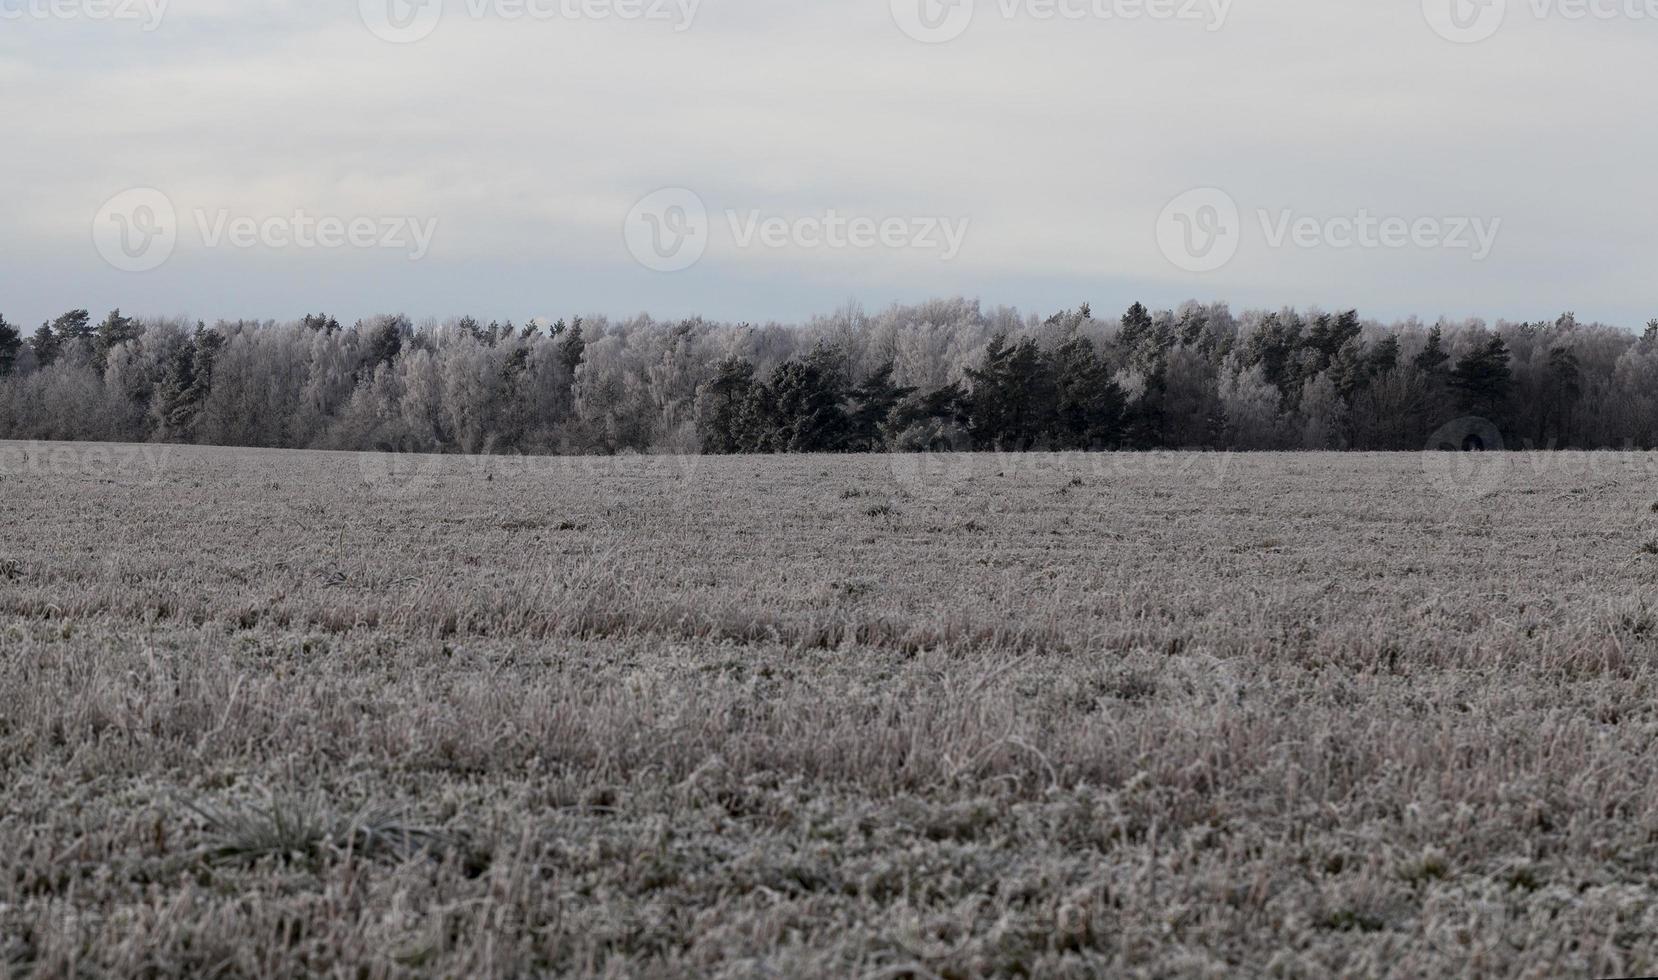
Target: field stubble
282	713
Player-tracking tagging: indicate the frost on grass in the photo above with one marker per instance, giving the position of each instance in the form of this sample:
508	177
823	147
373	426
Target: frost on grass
1067	721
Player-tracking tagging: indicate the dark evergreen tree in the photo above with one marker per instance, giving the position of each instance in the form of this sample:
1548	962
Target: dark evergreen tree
1482	380
805	403
1013	397
383	344
1384	356
873	404
1563	386
943	411
46	344
1328	336
11	341
72	326
1143	342
1137	329
175	396
114	331
321	323
757	428
1274	346
1350	369
183	391
572	348
1088	401
1194	329
723	404
1432	357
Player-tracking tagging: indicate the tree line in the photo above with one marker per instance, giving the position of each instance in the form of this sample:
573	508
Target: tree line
944	375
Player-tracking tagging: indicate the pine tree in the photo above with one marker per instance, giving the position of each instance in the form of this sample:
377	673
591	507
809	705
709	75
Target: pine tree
874	402
1329	335
1564	388
115	331
1137	328
1433	356
1482	379
721	405
175	406
11	341
572	348
1349	369
806	396
1088	401
72	326
1384	357
384	343
987	413
46	344
1143	342
182	394
1273	346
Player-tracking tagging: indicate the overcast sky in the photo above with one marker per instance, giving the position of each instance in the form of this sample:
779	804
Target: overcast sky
1050	147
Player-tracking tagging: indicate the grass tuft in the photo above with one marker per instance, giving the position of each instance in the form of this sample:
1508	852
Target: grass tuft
293	829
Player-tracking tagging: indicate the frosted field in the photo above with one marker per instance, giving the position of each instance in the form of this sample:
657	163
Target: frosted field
287	713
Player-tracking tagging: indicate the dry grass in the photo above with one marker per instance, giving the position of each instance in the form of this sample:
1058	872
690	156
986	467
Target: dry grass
282	713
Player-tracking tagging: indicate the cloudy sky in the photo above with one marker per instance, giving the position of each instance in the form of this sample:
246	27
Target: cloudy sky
516	158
